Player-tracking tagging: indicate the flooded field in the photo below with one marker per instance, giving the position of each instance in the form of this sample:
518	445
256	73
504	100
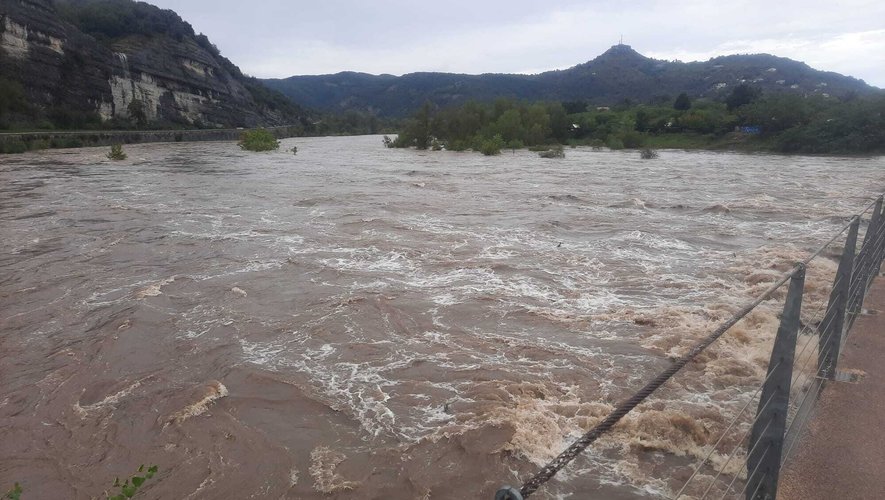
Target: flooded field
359	322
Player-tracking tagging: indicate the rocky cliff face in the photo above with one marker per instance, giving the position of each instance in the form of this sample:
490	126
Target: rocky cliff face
68	75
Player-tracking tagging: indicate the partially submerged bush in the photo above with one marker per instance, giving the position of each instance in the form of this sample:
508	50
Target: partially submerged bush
132	484
553	152
258	140
492	146
116	152
457	145
14	146
648	154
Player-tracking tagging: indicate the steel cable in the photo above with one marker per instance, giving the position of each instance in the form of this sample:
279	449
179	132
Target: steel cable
807	343
801	427
749	476
628	405
725	432
737	447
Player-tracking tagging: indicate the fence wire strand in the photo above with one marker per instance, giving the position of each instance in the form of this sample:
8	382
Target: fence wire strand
725	432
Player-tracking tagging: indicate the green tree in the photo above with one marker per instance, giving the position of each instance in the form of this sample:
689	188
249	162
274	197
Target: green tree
559	122
779	112
421	136
12	100
682	102
742	95
643	120
137	112
509	125
537	125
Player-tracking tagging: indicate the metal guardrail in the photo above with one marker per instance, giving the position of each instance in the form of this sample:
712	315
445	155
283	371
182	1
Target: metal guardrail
778	421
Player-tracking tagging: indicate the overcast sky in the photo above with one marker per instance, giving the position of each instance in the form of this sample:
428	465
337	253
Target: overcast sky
279	38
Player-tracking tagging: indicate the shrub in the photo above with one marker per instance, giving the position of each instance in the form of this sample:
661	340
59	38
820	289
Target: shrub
39	144
388	142
116	153
614	142
435	145
14	494
632	139
515	144
491	147
648	154
258	140
15	146
457	145
131	484
127	489
554	152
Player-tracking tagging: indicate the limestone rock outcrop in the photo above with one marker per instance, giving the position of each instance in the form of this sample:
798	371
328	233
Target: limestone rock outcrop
177	80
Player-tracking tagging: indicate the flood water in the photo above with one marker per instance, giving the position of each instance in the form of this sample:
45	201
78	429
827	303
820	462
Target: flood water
359	322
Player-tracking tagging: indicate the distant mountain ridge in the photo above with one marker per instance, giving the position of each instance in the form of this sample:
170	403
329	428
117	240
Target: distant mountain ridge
619	73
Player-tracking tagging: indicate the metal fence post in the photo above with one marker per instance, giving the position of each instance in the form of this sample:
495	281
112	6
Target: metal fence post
877	226
767	438
834	320
864	264
880	252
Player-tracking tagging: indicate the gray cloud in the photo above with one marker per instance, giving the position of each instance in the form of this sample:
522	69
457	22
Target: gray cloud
276	38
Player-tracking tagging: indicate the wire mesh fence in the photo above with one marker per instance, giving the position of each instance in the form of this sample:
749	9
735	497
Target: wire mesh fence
820	307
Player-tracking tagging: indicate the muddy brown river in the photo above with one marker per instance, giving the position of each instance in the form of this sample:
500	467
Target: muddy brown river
356	322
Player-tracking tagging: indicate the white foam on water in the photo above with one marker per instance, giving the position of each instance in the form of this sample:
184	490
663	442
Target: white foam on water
455	309
154	289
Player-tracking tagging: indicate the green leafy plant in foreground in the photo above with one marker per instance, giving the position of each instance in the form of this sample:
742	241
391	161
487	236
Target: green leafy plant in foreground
127	489
117	153
131	485
14	494
258	140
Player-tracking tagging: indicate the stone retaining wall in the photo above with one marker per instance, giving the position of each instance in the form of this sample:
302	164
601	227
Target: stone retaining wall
20	142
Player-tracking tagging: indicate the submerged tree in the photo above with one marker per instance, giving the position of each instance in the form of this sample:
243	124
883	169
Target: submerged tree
116	153
258	140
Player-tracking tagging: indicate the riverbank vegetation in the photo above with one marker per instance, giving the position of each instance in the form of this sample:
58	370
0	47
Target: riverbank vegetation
116	153
258	140
745	120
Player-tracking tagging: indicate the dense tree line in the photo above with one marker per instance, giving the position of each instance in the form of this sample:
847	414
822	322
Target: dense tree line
746	118
109	19
515	124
